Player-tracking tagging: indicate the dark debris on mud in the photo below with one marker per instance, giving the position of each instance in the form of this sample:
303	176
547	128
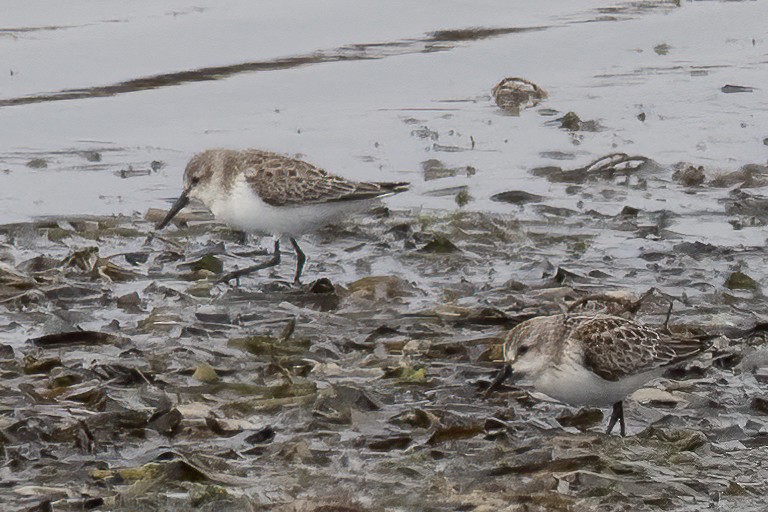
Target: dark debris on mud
133	380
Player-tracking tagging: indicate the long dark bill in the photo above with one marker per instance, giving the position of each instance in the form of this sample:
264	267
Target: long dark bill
180	203
504	374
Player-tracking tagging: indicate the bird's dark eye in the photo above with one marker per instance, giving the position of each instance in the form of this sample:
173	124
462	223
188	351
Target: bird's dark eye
521	350
195	180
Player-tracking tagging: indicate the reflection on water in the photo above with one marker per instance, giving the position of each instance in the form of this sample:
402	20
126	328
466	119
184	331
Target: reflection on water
436	41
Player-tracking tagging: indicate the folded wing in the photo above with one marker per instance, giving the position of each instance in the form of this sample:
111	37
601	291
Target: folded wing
615	347
283	181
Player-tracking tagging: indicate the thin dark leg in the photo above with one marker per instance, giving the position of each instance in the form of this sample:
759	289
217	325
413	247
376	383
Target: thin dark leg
242	238
617	415
622	424
301	258
503	375
237	274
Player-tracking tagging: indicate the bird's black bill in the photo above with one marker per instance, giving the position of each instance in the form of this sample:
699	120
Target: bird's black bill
504	374
180	203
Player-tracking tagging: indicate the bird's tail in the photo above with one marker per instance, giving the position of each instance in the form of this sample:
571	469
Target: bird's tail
691	345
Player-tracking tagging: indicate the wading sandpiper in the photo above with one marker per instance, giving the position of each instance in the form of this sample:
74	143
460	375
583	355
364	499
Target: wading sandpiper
263	192
595	360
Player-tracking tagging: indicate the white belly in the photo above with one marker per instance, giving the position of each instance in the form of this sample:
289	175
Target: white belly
578	386
242	209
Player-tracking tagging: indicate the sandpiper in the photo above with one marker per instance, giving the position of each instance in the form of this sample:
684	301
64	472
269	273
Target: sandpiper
263	192
594	360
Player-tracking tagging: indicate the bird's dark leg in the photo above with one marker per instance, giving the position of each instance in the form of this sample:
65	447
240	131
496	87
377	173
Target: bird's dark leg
242	237
237	274
500	377
617	415
301	258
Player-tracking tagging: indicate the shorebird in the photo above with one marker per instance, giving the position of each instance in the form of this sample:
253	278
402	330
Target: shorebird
595	360
263	192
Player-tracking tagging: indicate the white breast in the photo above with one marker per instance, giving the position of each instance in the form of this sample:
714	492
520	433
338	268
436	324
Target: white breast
244	210
574	384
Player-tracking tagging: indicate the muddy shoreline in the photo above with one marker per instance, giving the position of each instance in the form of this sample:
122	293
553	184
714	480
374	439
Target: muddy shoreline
133	381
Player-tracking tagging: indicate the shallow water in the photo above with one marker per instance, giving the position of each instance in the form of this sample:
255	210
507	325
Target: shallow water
351	86
373	403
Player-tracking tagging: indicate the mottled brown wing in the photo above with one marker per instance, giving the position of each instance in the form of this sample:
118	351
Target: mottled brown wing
283	181
615	347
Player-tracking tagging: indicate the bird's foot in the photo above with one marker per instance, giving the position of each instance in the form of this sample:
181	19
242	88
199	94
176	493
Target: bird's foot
617	414
237	274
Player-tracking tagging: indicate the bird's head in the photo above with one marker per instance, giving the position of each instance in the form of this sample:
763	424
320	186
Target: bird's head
529	347
198	178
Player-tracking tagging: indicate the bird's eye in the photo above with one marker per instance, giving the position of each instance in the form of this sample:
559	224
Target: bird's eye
521	350
195	180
